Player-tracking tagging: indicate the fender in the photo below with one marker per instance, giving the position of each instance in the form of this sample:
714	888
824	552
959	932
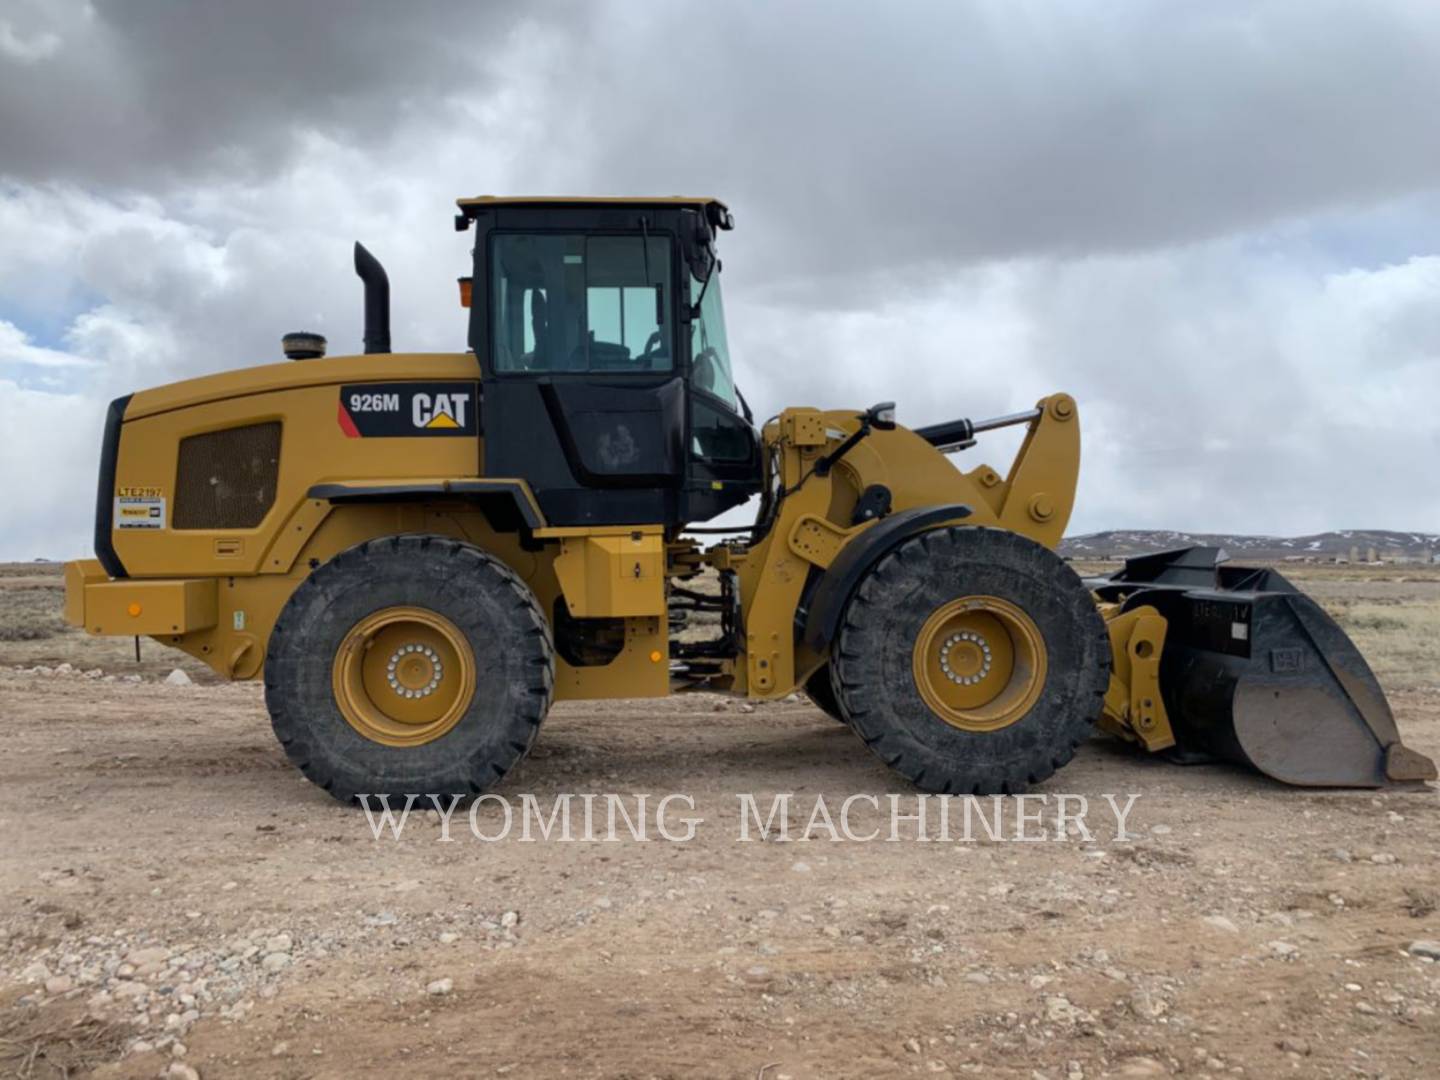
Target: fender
508	503
821	615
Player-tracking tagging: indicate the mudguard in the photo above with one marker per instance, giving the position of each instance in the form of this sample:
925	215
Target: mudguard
819	615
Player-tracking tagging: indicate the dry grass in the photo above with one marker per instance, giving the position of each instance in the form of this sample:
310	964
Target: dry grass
30	603
33	631
1400	639
1392	613
39	1046
31	569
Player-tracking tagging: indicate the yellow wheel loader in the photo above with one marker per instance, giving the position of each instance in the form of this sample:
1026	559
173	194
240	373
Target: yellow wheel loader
418	553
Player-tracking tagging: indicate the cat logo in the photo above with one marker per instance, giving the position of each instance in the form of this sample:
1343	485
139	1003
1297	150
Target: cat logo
439	410
409	409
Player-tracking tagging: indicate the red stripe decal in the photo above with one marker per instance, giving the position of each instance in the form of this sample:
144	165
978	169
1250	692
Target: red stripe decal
347	425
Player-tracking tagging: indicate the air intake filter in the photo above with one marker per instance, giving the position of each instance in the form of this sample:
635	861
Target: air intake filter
303	345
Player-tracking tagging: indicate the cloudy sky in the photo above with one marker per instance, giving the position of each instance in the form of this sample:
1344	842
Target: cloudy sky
1217	224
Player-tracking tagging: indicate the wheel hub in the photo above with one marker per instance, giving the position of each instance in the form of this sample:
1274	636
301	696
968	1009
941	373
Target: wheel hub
979	663
404	676
414	670
965	657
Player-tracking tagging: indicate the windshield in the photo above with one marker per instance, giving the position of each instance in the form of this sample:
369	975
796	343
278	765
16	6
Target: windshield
709	352
581	303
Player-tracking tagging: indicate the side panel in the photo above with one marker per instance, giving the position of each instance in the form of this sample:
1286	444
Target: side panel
613	574
594	452
318	442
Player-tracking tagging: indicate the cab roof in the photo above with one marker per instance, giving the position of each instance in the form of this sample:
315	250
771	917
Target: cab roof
587	200
712	209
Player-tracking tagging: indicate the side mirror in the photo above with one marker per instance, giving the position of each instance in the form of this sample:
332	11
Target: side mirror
881	416
719	216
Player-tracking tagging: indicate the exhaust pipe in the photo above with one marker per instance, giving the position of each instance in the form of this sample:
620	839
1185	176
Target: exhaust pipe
377	300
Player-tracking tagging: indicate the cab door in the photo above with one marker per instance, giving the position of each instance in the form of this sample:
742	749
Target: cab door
585	399
723	467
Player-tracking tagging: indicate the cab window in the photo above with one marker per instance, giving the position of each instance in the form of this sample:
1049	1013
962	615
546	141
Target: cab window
581	303
709	351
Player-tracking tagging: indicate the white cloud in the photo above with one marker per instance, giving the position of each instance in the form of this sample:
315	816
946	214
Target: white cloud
1218	389
16	351
47	472
25	50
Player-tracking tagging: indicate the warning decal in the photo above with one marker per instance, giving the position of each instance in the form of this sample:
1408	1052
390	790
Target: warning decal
139	512
387	410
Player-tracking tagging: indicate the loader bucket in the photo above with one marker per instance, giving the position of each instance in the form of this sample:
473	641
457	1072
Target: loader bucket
1253	671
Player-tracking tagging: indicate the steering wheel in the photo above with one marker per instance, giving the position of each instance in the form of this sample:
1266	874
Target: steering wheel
704	368
652	348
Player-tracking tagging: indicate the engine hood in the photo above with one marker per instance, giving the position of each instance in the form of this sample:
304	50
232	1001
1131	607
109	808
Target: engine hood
382	367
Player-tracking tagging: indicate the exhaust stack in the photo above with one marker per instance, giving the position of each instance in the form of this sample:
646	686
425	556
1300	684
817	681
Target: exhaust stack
377	300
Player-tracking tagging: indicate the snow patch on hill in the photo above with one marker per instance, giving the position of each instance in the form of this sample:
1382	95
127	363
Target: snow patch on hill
1384	543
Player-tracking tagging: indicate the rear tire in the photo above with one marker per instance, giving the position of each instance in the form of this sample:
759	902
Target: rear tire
971	661
409	665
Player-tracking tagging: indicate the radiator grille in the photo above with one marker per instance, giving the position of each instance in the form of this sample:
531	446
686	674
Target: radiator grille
226	479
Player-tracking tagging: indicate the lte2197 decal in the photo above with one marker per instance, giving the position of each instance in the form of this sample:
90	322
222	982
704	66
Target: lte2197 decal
410	409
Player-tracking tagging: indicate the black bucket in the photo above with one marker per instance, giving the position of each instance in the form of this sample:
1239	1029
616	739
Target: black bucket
1255	672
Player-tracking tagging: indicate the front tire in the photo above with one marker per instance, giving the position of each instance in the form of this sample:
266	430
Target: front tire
822	694
972	661
409	665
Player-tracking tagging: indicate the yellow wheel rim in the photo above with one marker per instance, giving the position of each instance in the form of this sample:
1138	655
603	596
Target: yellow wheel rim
404	676
979	663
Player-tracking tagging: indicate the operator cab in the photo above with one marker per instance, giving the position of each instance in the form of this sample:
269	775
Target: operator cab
607	383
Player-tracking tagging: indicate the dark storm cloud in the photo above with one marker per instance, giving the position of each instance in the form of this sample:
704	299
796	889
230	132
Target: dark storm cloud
862	136
851	137
153	94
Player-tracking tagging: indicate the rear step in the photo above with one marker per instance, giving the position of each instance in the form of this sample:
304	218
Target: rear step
1255	672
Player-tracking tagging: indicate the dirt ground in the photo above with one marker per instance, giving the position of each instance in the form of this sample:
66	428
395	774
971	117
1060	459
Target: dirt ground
174	896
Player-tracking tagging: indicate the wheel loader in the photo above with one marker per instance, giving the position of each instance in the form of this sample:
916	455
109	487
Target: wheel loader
419	553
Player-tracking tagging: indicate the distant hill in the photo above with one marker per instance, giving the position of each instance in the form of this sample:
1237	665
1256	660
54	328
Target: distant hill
1323	547
1386	545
